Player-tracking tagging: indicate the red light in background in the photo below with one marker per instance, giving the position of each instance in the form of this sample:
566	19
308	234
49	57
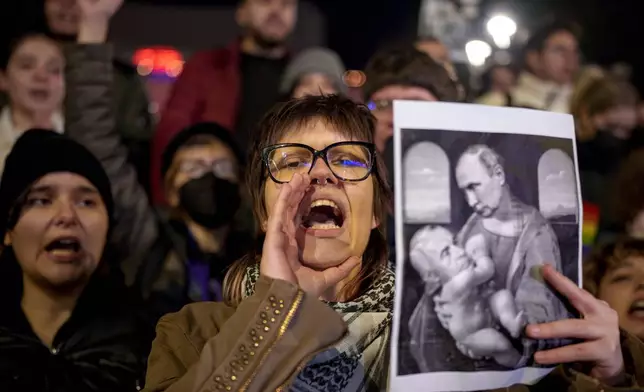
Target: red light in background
354	78
159	60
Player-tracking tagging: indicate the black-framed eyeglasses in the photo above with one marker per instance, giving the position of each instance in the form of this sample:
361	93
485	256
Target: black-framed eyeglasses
348	161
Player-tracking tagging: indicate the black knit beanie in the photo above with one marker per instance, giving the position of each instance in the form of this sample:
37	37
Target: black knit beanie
39	152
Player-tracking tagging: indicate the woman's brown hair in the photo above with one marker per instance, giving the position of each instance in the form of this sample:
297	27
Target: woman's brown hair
595	94
627	199
355	122
606	257
7	53
407	66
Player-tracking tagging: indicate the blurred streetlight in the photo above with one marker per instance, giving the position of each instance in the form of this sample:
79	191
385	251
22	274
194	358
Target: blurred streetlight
502	28
477	52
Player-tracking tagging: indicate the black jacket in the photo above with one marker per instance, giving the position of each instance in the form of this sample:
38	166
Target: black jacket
103	347
164	277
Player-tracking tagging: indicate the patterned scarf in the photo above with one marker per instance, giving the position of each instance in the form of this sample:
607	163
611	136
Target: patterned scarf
358	363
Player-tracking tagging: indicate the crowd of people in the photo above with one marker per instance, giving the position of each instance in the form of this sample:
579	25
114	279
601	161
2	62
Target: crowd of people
245	241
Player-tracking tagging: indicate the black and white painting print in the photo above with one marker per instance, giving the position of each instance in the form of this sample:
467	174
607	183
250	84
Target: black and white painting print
484	198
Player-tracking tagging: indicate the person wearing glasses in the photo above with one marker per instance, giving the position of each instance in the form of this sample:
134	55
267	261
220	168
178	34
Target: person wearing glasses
204	230
551	59
401	73
311	309
180	254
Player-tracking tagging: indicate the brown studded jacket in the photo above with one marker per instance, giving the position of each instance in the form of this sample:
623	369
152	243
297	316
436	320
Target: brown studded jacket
263	343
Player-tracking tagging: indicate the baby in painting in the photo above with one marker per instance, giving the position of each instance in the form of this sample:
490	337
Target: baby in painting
464	277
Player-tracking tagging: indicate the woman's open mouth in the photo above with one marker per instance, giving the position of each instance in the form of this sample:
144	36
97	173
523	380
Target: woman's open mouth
323	214
64	248
39	95
637	309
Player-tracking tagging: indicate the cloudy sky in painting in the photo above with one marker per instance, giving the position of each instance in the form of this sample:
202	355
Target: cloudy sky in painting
557	184
426	184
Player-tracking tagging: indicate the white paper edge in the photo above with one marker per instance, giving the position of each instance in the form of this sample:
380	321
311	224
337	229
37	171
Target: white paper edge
449	116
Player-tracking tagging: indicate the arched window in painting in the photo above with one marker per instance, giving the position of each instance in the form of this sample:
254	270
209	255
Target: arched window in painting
558	200
426	184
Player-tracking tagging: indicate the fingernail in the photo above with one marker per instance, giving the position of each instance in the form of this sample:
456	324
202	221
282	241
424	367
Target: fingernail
534	330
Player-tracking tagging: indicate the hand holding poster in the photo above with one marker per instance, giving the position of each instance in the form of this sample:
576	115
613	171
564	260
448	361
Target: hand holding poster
484	197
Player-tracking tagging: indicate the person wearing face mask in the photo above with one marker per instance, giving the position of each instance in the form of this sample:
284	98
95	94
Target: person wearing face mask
604	140
233	85
170	256
32	77
605	115
311	310
207	189
200	232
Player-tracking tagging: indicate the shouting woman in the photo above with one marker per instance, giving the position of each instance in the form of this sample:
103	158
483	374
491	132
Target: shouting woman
311	309
66	321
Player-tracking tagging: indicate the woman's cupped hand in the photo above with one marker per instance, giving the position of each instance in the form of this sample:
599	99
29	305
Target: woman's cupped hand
281	253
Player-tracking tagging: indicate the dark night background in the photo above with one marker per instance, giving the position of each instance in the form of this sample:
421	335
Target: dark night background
612	28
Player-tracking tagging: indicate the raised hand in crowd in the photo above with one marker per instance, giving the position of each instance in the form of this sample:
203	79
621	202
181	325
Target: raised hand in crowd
95	16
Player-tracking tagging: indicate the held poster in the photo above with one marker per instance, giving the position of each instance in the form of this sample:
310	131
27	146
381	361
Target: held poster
483	197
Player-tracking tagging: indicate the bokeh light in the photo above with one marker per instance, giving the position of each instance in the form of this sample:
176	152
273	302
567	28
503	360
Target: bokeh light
354	78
